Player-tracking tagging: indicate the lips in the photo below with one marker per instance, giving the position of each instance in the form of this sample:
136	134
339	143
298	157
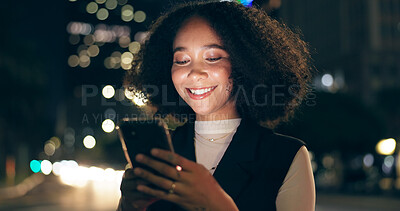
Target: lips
200	93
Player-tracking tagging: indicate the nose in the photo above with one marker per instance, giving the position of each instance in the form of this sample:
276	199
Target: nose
198	72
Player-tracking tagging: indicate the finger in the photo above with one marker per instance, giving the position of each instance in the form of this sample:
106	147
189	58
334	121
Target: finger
129	189
159	193
173	158
131	184
128	174
154	179
163	168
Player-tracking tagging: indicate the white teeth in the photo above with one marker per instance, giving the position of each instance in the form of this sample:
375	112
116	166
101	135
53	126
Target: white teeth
199	91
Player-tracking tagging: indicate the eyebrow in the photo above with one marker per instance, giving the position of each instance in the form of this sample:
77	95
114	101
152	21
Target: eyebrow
204	47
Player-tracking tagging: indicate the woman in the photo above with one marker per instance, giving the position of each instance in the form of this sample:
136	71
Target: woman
235	69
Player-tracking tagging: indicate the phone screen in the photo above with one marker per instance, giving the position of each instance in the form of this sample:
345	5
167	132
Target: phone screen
142	135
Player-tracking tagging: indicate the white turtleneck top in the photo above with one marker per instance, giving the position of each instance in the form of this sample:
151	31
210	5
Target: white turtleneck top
297	191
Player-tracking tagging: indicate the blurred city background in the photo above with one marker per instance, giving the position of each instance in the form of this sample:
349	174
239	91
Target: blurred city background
62	63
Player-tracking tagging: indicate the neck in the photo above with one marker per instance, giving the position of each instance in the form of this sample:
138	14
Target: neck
214	117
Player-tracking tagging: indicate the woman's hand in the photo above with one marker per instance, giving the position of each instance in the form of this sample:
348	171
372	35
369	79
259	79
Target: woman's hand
186	183
131	198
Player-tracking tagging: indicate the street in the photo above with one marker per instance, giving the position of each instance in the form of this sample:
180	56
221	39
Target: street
51	195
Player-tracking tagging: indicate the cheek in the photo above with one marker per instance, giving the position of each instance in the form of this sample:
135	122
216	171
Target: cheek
177	78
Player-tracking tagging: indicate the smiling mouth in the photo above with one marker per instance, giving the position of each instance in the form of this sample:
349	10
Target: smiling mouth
200	93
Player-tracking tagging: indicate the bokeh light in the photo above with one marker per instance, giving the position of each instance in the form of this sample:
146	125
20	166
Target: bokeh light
327	80
102	14
111	4
49	148
56	168
127	58
127	13
386	146
84	61
139	16
93	50
89	142
73	60
35	166
56	141
79	28
108	91
108	126
100	1
46	167
368	160
92	8
134	47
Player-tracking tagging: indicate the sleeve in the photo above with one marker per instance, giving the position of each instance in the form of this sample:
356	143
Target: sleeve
298	189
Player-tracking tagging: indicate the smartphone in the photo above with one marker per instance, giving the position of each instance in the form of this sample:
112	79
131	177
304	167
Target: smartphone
139	136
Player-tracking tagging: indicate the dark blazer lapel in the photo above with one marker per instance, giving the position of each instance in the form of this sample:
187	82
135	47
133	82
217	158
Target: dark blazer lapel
183	141
233	171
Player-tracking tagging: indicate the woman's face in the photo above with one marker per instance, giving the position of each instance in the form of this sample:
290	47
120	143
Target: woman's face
201	70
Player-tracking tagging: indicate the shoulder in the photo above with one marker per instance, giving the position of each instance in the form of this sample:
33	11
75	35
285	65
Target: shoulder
277	140
277	148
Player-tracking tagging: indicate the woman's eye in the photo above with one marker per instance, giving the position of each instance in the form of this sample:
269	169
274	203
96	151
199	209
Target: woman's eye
213	59
181	62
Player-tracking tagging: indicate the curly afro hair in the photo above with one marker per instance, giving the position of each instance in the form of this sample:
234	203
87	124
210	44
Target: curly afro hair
271	65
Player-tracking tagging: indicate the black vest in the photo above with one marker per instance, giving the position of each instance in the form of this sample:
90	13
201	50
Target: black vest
252	169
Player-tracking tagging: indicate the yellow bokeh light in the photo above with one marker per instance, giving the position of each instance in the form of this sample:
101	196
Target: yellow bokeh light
89	142
49	148
127	58
56	141
100	1
92	8
111	4
108	126
108	91
126	66
83	58
139	16
386	146
93	50
127	13
83	52
84	61
134	47
73	61
102	14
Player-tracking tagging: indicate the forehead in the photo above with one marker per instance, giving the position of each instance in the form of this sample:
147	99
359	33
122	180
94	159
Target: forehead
195	30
